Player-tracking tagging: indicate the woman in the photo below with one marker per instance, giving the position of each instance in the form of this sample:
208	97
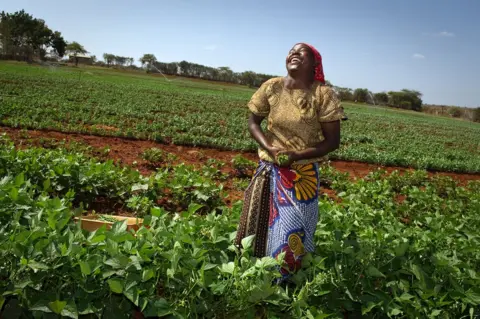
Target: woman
303	117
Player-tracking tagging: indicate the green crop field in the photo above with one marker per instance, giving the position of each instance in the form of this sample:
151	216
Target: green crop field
390	246
192	112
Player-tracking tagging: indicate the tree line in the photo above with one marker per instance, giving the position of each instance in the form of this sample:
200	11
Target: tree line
194	70
405	99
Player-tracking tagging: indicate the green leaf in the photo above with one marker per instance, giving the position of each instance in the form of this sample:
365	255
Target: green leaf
41	305
266	262
116	285
36	266
70	310
219	287
19	179
405	297
159	308
97	239
370	306
46	184
147	275
401	249
214	232
85	268
374	272
118	228
2	301
474	297
193	208
396	312
228	268
247	242
118	262
436	313
57	306
209	266
14	194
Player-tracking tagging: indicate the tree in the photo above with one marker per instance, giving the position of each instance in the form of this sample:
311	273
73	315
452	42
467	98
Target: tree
225	73
381	98
75	49
108	58
406	99
360	95
148	59
476	114
25	36
58	44
120	60
344	94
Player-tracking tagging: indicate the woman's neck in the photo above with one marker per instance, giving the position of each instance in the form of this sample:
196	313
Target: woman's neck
292	82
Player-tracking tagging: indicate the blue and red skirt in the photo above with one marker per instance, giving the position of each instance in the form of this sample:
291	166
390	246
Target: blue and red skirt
281	210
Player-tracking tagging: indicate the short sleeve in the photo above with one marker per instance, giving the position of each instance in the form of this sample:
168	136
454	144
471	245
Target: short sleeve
258	103
330	106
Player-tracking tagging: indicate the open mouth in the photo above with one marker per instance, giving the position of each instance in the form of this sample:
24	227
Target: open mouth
295	60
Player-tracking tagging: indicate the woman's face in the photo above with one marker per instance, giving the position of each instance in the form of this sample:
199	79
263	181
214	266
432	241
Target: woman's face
300	59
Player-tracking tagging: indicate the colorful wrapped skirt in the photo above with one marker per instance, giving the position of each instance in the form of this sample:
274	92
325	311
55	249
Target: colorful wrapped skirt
281	210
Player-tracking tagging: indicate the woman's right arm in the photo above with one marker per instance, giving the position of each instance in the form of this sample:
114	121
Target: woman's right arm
255	129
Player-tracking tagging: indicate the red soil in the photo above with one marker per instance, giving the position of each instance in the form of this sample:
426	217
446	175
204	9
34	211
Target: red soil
128	151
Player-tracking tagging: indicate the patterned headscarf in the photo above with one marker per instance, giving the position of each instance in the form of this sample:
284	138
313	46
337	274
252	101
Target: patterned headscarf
319	76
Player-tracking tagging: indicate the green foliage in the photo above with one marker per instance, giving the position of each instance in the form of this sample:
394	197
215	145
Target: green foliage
153	155
376	257
59	172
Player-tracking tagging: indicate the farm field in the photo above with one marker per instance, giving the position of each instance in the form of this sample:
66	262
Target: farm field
198	113
392	242
388	245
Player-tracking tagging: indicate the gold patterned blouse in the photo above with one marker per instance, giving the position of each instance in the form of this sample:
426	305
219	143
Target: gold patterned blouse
294	116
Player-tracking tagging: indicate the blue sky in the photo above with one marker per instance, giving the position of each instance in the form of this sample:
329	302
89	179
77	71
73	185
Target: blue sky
430	46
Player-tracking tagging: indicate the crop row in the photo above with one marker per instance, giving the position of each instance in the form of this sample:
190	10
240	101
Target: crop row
98	102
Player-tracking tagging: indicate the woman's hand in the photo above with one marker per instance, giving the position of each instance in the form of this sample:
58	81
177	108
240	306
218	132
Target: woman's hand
273	151
291	157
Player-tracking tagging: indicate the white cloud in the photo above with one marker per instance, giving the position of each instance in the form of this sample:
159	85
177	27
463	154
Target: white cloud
446	34
418	56
211	47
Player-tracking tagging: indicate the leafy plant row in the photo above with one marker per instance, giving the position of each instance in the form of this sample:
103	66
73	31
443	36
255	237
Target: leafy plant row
117	104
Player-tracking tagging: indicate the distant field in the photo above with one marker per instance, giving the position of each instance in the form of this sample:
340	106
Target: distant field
193	112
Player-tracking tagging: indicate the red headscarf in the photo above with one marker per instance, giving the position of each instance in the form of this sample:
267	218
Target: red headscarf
319	76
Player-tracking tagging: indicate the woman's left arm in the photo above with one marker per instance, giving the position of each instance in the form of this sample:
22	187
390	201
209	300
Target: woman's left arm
331	142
